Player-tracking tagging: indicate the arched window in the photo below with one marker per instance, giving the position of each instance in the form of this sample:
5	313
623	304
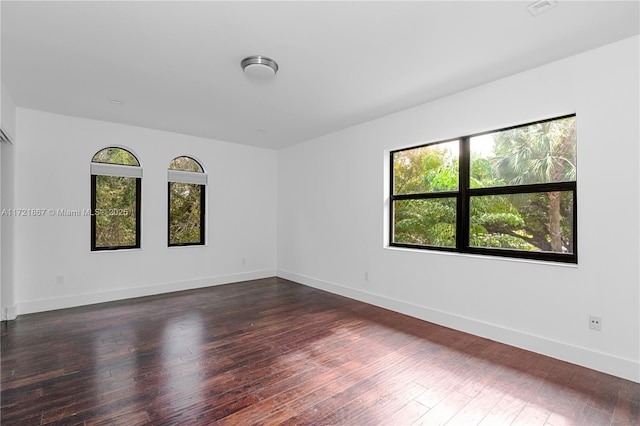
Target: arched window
116	178
187	181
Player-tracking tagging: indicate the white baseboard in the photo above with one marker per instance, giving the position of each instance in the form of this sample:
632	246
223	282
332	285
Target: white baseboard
611	364
9	313
43	305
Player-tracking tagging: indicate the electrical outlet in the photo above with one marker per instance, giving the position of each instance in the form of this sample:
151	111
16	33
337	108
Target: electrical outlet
366	276
595	323
59	280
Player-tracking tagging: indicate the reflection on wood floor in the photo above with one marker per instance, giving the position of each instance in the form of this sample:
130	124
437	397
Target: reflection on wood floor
274	352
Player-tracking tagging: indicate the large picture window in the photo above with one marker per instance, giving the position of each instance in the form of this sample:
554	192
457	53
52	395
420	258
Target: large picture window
115	200
187	182
509	192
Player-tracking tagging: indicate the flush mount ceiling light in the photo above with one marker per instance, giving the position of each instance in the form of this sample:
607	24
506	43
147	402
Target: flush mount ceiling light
259	67
541	6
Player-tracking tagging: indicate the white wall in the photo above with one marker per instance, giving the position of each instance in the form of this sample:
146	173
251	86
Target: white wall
8	125
52	158
7	113
332	201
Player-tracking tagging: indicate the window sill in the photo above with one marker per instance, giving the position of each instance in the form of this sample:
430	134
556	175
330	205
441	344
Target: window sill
481	256
187	246
117	250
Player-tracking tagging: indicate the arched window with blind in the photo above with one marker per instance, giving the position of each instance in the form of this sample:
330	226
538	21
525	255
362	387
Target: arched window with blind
116	177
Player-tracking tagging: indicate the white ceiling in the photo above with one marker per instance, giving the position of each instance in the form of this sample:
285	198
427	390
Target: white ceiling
176	65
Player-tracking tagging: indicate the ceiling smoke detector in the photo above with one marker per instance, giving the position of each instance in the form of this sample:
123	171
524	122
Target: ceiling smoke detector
541	6
259	67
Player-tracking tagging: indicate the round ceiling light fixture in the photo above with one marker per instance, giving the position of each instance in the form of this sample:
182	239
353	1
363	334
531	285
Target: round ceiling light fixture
260	67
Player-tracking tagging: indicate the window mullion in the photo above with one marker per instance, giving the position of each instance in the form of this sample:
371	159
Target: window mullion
93	211
425	195
462	219
138	211
202	213
391	200
169	212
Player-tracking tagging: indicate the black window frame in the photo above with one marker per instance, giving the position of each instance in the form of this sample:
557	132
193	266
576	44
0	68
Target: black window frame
202	188
463	200
94	205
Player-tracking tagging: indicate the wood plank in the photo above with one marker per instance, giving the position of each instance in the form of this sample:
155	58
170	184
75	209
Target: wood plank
627	410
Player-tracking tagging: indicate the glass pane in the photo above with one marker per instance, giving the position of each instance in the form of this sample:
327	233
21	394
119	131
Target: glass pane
430	222
430	168
184	213
186	164
538	153
115	156
115	212
533	222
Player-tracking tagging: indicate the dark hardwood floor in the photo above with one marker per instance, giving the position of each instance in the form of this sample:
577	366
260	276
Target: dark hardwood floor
275	352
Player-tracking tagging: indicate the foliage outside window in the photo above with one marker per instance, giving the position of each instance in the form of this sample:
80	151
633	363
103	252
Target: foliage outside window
115	200
186	189
510	192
